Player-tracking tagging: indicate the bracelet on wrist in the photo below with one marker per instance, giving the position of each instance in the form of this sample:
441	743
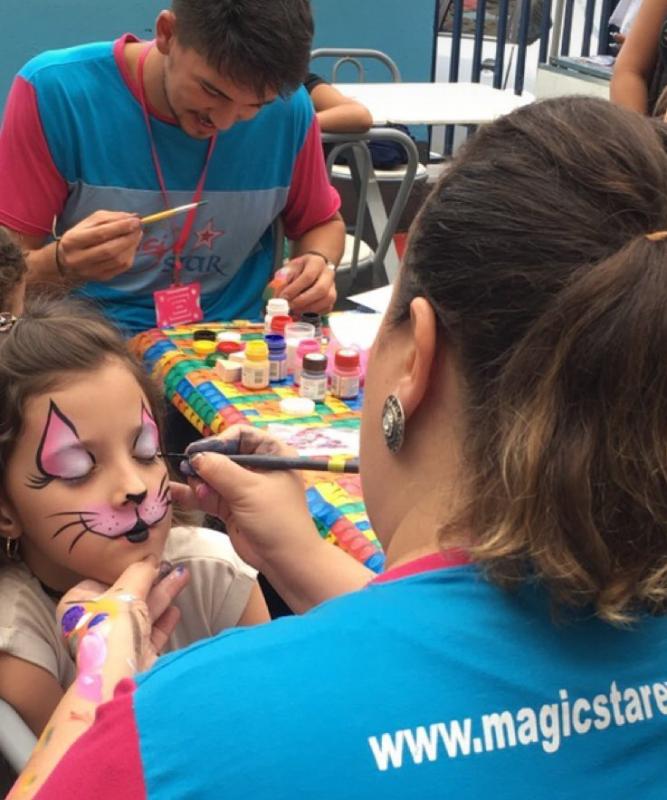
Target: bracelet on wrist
329	263
59	264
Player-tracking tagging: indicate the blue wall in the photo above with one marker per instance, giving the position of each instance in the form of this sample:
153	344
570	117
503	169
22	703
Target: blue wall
403	29
31	26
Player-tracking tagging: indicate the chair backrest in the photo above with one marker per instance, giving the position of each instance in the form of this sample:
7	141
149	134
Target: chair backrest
29	28
405	31
16	739
358	58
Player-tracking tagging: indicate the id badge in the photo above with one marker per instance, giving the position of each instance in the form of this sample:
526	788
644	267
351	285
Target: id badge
178	305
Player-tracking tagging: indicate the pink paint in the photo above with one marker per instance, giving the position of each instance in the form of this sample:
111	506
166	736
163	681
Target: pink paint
61	453
147	443
91	655
106	520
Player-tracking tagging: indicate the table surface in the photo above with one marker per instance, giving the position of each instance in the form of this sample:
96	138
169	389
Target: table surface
433	103
192	385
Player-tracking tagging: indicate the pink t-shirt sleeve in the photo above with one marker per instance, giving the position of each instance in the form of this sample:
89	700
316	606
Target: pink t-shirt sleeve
32	190
312	200
105	762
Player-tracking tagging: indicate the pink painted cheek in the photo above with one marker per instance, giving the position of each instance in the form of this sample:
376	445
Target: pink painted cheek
107	521
154	507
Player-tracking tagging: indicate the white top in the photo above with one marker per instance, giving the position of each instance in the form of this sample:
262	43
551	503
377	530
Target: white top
433	103
214	599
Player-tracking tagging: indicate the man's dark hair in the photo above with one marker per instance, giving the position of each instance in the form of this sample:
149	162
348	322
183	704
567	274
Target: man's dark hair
259	44
12	267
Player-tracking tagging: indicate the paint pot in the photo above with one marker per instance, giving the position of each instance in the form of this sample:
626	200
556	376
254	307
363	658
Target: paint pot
204	347
314	377
346	375
203	335
277	306
255	371
311	318
304	347
229	336
277	357
294	333
227	348
279	323
297	406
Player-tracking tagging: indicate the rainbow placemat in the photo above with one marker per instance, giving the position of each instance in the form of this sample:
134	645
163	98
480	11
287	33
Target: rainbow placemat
192	385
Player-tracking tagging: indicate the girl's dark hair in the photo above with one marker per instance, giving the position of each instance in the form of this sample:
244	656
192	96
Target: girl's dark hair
12	267
52	339
265	45
532	249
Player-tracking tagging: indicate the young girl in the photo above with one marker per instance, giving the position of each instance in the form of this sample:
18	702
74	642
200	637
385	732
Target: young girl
84	493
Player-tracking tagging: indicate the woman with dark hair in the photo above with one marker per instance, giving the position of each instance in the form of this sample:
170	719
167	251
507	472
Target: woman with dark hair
514	467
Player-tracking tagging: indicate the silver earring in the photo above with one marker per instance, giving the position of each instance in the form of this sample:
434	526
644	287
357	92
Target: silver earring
393	423
12	548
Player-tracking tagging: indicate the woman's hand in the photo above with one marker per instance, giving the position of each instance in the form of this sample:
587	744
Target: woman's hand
264	512
144	593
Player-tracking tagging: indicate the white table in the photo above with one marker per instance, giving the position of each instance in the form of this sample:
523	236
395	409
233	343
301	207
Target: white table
433	103
425	104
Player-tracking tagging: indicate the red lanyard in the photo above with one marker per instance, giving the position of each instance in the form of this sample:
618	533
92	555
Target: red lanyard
179	241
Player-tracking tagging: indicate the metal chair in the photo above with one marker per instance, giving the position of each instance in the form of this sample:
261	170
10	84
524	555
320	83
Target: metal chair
366	180
369	199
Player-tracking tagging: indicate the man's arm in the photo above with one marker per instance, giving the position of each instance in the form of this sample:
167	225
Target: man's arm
314	257
98	248
313	223
638	57
33	192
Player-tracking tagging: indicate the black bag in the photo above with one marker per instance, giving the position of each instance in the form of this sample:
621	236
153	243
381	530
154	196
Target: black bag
388	154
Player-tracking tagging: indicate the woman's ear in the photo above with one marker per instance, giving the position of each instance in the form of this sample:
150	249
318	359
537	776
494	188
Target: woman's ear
421	351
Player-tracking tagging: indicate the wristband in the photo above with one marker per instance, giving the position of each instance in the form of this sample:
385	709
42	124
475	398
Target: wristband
59	264
329	263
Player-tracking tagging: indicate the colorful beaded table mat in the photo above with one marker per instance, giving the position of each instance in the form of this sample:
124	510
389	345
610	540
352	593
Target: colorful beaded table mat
192	385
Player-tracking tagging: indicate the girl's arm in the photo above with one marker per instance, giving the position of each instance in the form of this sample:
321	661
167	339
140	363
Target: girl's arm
256	610
31	691
337	113
114	636
638	58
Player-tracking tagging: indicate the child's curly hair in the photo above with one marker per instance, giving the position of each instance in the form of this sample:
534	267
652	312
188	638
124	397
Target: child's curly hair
12	267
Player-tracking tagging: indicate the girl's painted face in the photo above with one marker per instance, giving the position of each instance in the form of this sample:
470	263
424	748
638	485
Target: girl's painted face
86	487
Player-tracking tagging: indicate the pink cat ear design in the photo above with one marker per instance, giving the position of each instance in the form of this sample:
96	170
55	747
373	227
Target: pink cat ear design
61	453
147	443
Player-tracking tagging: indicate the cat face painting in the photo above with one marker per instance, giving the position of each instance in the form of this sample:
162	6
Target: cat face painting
86	488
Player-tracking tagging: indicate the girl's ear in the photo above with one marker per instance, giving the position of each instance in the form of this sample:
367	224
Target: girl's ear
10	526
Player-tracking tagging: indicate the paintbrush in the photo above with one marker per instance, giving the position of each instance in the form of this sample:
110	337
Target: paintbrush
169	212
325	464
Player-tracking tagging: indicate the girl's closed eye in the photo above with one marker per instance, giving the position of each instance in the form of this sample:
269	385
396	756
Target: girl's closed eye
146	446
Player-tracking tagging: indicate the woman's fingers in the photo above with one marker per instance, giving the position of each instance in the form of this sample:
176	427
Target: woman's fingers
163	627
165	590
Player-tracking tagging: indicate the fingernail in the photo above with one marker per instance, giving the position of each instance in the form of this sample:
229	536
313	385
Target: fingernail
179	570
186	469
165	568
194	461
203	491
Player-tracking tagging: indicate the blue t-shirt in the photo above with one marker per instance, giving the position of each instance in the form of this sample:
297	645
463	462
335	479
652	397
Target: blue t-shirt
74	140
434	685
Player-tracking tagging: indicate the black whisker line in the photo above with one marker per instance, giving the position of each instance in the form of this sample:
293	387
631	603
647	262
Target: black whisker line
69	525
65	513
71	547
